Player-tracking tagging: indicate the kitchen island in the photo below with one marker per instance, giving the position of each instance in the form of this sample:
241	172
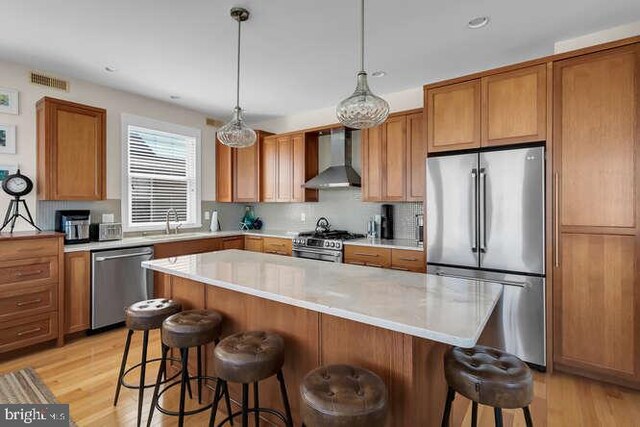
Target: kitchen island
397	324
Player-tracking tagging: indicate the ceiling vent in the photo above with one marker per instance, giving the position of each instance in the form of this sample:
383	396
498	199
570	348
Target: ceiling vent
48	81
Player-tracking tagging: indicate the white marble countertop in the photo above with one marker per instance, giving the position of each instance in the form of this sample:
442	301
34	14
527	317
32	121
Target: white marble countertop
163	238
408	244
449	310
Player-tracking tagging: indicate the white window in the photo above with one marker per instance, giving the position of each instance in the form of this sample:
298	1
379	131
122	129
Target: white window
161	171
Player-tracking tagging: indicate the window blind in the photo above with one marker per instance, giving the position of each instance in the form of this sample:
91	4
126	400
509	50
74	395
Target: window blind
161	172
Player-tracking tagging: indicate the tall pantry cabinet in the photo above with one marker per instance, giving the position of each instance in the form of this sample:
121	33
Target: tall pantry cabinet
596	136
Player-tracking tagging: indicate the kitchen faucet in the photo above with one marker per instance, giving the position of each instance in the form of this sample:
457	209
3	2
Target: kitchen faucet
167	229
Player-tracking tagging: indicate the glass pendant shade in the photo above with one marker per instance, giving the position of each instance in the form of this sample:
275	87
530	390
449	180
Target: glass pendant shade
362	109
236	133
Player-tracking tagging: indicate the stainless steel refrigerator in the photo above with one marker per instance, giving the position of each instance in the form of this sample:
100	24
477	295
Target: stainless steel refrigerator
485	220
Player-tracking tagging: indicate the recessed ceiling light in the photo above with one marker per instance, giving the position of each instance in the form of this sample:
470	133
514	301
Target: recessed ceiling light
174	96
110	69
478	22
379	73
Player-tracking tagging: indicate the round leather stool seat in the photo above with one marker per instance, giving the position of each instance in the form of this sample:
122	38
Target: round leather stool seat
248	357
149	314
191	328
343	395
489	376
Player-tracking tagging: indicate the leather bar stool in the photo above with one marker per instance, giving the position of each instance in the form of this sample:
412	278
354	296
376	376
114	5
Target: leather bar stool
142	316
488	376
245	358
185	330
343	395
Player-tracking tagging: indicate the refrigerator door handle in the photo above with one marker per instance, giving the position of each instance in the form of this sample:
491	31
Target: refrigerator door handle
524	285
483	210
474	181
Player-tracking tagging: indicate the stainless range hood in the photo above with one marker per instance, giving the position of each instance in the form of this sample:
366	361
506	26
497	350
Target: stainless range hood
340	174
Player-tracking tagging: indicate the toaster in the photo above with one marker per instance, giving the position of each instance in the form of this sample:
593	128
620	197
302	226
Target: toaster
105	231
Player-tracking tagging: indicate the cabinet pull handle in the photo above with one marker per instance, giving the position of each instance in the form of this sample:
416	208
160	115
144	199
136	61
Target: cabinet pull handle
28	273
33	301
36	249
29	331
367	254
408	259
374	265
400	268
556	182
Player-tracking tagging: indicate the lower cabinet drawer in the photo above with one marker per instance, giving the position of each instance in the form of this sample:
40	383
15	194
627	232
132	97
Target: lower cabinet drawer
253	243
274	245
29	271
236	242
367	255
28	301
23	332
407	260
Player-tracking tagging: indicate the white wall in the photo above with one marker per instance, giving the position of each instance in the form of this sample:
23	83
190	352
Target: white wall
115	102
398	101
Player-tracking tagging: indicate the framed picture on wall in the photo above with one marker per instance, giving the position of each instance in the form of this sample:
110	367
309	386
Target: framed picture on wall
8	101
6	170
7	139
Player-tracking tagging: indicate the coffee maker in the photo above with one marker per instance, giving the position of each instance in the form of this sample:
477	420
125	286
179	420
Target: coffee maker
74	224
386	225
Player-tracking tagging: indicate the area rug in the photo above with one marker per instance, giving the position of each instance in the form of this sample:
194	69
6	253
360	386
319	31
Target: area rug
24	386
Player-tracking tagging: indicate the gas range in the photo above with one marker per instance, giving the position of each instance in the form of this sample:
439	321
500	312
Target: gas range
324	245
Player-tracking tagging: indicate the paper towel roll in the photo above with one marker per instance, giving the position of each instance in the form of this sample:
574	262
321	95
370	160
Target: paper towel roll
215	225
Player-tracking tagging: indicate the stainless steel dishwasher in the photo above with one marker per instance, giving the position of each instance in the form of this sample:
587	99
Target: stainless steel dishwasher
117	281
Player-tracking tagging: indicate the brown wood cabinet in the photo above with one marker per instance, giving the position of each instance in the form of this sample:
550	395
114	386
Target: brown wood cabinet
514	106
596	298
453	116
253	243
408	260
31	291
235	242
287	162
238	171
77	291
71	150
277	245
376	256
393	156
498	109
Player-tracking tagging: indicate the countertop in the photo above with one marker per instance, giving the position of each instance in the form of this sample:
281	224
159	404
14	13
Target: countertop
129	242
448	310
408	244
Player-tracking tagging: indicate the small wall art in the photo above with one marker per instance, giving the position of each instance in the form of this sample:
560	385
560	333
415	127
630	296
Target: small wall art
7	139
8	101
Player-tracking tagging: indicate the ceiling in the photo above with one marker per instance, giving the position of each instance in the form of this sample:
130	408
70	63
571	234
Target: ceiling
298	55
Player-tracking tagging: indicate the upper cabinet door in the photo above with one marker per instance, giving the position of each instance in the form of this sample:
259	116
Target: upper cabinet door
596	131
515	107
285	169
246	173
416	153
269	170
71	151
224	172
453	116
394	158
372	162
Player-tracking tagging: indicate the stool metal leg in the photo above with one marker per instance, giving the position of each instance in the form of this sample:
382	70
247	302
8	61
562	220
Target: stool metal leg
143	369
498	415
245	405
256	404
527	416
162	371
123	365
183	384
451	394
214	405
474	414
285	398
199	371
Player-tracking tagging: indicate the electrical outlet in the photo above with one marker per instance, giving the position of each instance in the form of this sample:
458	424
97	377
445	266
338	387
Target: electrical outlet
303	217
206	214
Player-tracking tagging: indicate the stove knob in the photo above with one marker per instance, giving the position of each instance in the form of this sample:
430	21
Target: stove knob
333	244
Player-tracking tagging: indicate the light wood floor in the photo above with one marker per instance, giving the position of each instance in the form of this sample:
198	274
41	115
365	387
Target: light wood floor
83	373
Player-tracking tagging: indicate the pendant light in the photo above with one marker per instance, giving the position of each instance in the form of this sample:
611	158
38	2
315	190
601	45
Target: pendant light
362	109
236	133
